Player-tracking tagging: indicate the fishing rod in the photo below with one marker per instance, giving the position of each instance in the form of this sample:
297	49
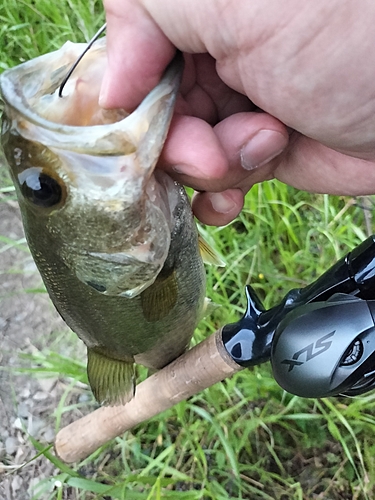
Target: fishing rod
320	341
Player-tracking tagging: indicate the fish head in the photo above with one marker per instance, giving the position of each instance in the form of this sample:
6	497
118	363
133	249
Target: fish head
85	177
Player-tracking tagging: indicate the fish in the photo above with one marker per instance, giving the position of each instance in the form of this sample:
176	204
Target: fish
113	236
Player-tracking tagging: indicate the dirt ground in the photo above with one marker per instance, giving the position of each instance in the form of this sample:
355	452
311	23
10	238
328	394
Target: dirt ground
27	322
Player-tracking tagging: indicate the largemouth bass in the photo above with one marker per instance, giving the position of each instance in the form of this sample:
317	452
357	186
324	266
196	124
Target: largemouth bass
114	239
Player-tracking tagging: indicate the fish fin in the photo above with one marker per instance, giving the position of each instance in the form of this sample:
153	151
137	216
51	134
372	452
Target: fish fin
112	381
161	297
208	308
208	254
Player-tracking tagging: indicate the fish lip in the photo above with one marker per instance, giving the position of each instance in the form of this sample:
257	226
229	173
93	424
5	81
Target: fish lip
107	139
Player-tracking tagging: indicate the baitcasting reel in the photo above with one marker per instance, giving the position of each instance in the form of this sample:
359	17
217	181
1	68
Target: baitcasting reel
320	339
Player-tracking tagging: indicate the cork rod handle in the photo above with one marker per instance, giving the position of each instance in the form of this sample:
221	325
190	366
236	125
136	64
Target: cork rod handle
197	369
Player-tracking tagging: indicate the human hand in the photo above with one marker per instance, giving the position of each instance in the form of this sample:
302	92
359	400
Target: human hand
308	66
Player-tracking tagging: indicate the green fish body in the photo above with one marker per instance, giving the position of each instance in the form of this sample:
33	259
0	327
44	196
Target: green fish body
114	240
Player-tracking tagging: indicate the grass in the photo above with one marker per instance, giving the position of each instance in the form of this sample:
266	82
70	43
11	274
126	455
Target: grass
244	438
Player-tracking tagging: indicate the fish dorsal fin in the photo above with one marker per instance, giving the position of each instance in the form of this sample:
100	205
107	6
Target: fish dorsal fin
111	380
208	254
160	298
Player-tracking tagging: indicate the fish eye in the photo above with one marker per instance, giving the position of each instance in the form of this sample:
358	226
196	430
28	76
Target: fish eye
40	188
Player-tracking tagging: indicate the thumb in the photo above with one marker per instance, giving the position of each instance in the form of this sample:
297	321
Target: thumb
132	73
309	165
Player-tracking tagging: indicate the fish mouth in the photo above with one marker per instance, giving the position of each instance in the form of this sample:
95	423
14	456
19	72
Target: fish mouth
107	168
142	132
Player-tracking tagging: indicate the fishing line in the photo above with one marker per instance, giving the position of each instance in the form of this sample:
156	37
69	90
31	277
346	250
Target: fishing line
89	45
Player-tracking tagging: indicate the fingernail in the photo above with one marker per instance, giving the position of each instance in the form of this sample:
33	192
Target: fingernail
221	203
262	148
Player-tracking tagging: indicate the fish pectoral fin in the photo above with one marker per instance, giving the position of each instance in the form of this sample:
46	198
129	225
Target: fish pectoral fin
208	254
112	381
208	308
160	298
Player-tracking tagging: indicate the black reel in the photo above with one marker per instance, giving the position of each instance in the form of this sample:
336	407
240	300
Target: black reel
320	339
